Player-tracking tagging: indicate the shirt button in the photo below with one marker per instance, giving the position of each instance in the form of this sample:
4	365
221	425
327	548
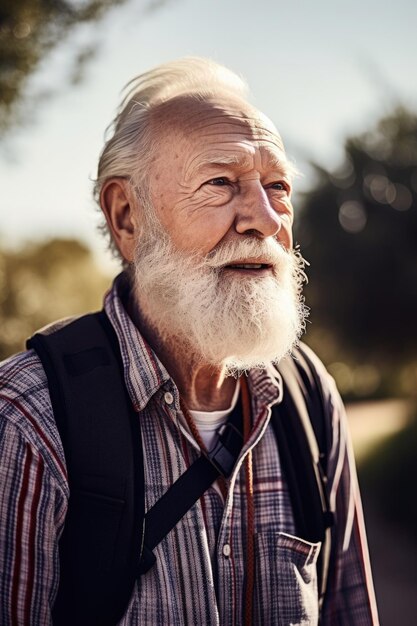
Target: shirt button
226	550
168	397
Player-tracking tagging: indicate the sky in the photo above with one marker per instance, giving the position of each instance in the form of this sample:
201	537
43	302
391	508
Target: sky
320	70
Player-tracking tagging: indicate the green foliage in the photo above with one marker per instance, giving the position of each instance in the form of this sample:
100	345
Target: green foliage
29	30
389	474
358	229
42	283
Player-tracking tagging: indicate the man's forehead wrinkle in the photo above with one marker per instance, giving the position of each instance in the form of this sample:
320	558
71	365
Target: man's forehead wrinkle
220	159
198	120
235	157
200	167
249	140
203	160
184	117
182	109
213	130
184	112
236	153
228	136
228	130
227	162
250	127
221	110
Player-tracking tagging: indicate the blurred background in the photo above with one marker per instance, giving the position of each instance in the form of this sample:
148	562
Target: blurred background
339	81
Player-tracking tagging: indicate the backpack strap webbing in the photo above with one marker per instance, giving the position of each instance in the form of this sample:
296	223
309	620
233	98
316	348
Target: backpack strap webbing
108	541
301	430
100	433
191	486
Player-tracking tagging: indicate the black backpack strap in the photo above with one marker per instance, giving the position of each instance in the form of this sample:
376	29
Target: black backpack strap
107	540
102	537
191	485
301	430
105	534
314	399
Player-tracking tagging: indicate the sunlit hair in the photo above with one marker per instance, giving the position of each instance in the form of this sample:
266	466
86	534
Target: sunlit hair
132	142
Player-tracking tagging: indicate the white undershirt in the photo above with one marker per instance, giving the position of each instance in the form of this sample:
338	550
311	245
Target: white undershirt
208	422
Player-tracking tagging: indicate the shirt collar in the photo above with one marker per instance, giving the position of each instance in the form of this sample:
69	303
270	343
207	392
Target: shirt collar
143	372
266	387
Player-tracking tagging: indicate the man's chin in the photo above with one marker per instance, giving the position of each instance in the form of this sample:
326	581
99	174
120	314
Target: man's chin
240	355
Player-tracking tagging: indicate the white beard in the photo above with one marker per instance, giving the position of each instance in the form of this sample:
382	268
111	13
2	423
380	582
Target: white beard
240	322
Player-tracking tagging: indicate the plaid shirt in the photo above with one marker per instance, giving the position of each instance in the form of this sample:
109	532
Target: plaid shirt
199	573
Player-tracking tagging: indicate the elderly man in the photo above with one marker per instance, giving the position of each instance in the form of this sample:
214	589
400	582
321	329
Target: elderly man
196	189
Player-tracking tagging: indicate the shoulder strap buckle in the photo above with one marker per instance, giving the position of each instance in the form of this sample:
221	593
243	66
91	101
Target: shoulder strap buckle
222	455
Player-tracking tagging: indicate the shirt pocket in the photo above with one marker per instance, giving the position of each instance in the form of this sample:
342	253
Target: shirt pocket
286	580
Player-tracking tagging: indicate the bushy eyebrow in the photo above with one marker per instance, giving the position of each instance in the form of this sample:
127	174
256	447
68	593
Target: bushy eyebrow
221	161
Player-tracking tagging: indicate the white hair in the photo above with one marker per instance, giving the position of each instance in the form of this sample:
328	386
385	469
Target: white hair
132	144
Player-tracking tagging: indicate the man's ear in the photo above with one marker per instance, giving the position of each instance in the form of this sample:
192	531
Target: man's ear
121	209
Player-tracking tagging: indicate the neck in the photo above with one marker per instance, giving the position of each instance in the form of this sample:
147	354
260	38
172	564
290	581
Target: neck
202	386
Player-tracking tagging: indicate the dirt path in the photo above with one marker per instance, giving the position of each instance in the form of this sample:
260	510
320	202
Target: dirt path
393	554
394	565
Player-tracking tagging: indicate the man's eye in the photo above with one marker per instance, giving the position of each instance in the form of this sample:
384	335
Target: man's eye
218	182
279	186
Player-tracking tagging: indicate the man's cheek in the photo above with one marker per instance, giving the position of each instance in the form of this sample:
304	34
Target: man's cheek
215	196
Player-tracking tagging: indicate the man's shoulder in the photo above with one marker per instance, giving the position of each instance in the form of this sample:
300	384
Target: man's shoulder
322	386
326	381
312	356
334	410
25	408
22	376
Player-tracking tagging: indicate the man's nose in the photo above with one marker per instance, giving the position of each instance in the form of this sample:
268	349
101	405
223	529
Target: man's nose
256	216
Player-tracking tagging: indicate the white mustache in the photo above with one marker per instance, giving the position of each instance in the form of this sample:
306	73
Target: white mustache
267	250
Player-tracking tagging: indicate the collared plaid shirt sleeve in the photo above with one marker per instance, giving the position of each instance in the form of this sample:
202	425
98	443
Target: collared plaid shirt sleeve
33	494
200	568
350	597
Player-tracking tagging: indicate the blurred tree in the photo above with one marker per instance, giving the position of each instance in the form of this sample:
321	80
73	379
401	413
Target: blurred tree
42	283
358	229
29	30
